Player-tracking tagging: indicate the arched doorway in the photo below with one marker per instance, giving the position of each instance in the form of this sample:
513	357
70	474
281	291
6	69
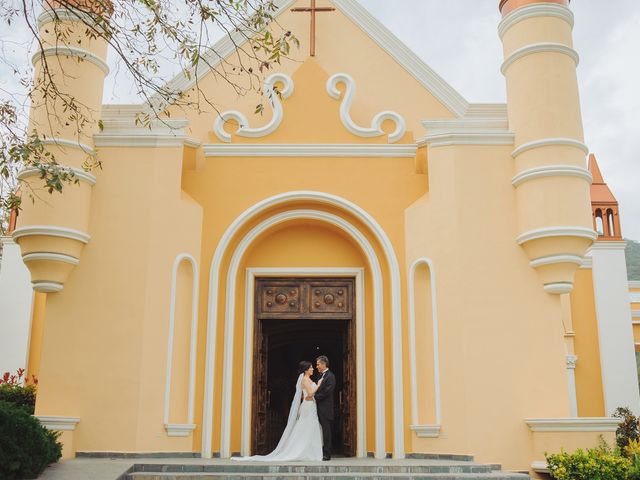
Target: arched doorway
298	319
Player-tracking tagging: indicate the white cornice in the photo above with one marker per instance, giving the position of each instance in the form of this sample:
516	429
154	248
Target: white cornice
558	288
179	429
426	431
552	171
46	286
635	314
579	424
546	142
557	232
143	140
63	142
419	70
609	245
79	174
587	262
58	423
67	51
51	231
533	11
554	259
486	110
482	125
310	150
54	257
634	284
64	15
404	56
539	48
447	139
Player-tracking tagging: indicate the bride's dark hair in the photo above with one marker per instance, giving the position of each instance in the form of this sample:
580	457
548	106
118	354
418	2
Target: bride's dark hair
303	366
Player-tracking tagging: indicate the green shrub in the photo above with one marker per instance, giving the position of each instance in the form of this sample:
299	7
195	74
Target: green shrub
17	390
26	447
593	464
628	430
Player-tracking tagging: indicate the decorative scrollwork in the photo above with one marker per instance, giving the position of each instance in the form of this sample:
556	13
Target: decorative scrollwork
274	100
376	124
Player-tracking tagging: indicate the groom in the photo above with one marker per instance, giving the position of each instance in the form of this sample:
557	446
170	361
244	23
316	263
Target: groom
324	403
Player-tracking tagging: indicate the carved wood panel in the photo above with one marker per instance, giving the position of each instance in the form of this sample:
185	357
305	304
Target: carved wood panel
304	298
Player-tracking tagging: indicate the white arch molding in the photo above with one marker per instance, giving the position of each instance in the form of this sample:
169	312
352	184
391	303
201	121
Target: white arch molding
424	430
358	274
214	281
365	245
175	430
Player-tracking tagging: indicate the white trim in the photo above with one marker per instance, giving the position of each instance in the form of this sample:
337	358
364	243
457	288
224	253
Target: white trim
634	284
53	257
232	273
192	344
426	431
47	286
358	273
472	124
63	14
311	150
545	47
276	105
413	348
179	429
192	142
571	361
58	423
635	314
587	262
549	142
540	466
536	234
406	58
375	130
581	424
447	139
63	142
534	11
51	231
142	139
558	288
552	171
77	172
554	259
68	51
392	260
608	245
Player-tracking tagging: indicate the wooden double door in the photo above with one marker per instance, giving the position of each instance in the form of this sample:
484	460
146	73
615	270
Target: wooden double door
299	319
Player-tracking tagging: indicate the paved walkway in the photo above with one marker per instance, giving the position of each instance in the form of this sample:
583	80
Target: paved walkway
111	469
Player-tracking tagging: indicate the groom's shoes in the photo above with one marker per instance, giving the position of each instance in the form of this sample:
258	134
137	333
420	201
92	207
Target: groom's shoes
326	459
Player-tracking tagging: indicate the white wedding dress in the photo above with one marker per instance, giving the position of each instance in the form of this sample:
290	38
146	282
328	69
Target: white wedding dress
302	437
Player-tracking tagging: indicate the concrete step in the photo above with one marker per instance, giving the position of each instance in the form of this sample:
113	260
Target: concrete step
435	470
327	476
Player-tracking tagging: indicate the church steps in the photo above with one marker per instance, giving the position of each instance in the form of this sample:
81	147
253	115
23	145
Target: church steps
436	470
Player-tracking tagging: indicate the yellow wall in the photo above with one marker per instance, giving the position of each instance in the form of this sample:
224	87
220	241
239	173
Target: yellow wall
588	372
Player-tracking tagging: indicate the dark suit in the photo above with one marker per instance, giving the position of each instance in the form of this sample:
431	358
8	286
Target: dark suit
324	404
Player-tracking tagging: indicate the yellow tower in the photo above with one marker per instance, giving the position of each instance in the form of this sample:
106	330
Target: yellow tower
551	179
53	230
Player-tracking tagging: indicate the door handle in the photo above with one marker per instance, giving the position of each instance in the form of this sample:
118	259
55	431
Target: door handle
268	398
340	399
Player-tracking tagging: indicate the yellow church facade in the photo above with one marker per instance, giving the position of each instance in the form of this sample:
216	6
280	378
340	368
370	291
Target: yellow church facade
444	253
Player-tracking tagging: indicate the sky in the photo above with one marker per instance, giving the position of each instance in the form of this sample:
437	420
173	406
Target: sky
459	40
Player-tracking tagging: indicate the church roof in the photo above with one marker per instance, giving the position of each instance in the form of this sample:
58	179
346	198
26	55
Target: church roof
359	15
600	192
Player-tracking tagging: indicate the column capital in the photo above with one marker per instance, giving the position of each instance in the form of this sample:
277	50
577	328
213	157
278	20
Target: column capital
508	6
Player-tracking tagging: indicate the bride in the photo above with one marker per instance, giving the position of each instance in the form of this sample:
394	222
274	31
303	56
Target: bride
302	437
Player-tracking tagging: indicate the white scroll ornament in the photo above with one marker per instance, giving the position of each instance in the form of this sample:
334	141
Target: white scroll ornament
274	101
376	124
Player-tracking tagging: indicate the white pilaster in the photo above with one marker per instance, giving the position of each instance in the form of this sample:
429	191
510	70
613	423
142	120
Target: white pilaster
615	333
571	379
16	303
